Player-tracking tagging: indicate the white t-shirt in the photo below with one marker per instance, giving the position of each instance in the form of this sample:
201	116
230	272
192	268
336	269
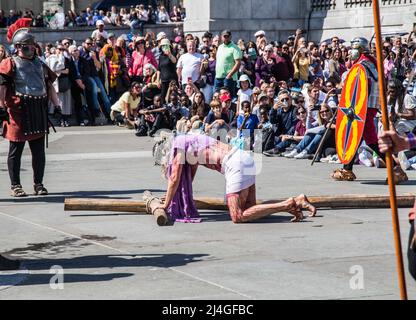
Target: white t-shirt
97	32
244	96
191	66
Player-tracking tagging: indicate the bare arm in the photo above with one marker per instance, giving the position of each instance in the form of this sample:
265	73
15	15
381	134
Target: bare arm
236	67
3	90
53	96
174	179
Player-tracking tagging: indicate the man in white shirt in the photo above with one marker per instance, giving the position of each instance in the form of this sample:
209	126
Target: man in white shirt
99	31
189	65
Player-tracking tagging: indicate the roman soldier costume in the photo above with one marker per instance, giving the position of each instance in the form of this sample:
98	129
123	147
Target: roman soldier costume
358	112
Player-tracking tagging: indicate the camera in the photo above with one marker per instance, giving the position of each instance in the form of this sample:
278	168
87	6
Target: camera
316	107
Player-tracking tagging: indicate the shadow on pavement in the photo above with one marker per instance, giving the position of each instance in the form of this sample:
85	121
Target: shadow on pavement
41	279
115	261
383	183
225	216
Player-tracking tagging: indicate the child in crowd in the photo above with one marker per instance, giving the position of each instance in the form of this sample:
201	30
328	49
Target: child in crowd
245	92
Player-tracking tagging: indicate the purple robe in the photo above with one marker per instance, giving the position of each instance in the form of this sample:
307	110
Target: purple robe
183	208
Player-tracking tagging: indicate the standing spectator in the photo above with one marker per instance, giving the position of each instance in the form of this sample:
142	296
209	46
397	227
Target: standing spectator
92	81
12	18
140	57
167	67
112	71
189	65
265	66
336	66
208	72
114	15
143	17
64	85
228	63
3	52
301	62
3	19
77	66
99	31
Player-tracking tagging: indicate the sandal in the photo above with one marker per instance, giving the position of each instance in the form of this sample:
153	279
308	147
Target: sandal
399	175
40	190
17	191
343	175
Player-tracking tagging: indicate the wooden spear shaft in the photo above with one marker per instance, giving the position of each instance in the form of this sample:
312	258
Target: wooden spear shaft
389	158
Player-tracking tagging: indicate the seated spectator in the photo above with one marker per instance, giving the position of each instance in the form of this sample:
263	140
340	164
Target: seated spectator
152	84
162	15
176	15
125	110
176	111
312	138
153	118
246	124
402	106
263	103
199	109
216	123
283	117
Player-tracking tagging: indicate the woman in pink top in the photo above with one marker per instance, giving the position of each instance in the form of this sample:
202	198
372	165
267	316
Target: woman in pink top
140	57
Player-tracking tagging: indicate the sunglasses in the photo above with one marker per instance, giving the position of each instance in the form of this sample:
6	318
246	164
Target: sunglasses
284	99
226	35
324	111
301	112
65	44
88	43
301	101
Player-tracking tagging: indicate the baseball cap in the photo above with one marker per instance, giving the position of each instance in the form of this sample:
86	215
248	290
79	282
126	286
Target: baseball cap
260	33
262	96
160	36
99	23
225	97
165	42
111	35
226	31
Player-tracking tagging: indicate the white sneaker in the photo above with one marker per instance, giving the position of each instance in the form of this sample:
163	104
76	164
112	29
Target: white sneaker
334	159
404	163
365	158
303	155
326	159
292	154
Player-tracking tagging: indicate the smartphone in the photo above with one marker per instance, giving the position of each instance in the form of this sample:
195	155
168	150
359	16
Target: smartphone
414	27
189	79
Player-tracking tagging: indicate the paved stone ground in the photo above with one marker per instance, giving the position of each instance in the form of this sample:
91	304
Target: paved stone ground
121	256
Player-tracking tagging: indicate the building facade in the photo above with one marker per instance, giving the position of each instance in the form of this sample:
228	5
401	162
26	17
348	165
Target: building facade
321	19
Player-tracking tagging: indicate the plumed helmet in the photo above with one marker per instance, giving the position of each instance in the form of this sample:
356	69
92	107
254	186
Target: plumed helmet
360	43
23	36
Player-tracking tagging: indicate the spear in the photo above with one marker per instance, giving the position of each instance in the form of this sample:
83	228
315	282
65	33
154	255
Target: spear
389	159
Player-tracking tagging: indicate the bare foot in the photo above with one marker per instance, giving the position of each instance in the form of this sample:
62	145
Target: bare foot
303	203
295	210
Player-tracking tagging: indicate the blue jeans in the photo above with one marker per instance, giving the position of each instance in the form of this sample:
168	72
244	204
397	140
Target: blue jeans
309	143
283	145
229	83
92	84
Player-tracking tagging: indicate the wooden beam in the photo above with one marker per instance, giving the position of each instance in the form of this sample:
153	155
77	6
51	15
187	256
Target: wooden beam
356	201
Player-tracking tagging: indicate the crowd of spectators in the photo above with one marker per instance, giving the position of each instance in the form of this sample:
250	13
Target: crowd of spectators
134	17
288	91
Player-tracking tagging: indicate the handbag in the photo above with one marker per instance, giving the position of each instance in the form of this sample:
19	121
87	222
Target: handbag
63	84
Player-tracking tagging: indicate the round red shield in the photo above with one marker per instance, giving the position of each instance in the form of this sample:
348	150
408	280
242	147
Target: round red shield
352	112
